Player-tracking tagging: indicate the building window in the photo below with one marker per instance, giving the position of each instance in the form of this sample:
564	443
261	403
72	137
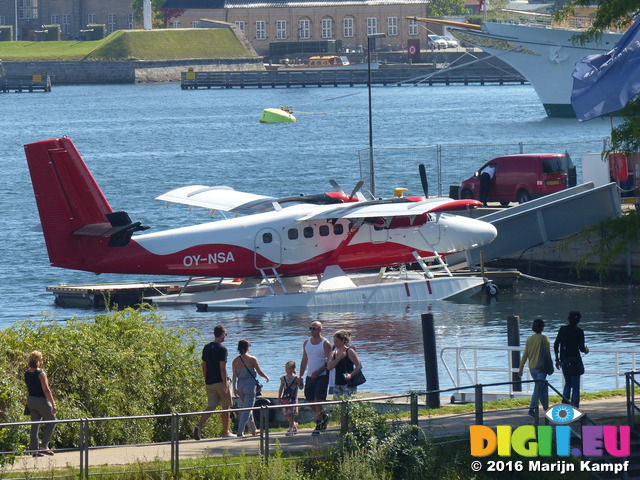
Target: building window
91	19
392	26
281	29
55	19
3	20
27	9
261	30
66	24
130	21
327	28
112	22
347	28
372	25
304	28
175	24
240	25
413	27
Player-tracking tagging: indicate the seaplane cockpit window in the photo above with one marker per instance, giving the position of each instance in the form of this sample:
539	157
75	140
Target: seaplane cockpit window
267	238
338	229
323	230
293	233
308	232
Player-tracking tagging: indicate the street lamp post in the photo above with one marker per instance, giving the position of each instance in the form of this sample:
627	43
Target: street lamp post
371	40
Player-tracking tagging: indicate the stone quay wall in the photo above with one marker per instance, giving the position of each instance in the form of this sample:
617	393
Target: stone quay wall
131	71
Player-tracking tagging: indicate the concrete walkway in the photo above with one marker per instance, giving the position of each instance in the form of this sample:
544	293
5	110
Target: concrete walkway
437	426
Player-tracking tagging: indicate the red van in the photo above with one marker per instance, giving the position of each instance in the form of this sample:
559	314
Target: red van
520	178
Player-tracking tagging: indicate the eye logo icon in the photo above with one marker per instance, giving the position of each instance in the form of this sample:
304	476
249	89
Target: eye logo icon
563	414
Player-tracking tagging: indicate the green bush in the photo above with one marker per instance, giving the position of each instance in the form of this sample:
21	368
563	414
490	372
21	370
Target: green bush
124	363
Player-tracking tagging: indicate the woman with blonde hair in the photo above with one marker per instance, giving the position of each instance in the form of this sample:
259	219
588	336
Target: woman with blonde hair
346	362
40	403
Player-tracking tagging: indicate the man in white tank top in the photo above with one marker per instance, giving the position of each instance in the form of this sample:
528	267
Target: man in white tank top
315	353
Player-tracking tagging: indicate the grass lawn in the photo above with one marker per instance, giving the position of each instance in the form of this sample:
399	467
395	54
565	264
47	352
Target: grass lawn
132	45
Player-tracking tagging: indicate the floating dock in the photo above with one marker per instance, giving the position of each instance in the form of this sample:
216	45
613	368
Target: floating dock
25	83
192	80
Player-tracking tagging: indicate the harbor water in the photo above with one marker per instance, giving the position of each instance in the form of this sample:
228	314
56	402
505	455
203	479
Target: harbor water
140	141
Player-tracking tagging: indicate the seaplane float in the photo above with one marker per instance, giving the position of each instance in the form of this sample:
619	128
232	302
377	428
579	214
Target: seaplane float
310	251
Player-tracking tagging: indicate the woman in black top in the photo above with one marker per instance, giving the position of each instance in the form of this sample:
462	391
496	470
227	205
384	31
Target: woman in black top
346	362
40	403
569	343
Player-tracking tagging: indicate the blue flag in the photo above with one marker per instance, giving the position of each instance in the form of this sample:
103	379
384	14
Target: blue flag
604	83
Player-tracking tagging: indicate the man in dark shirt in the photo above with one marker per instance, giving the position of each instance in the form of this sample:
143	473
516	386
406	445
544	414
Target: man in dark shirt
214	371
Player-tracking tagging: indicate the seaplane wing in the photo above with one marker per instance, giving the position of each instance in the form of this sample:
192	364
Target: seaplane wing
227	199
391	208
219	198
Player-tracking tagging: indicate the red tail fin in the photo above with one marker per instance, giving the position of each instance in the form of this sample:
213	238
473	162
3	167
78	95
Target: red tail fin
68	198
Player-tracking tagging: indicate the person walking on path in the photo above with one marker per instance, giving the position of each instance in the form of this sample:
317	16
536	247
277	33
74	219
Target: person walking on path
214	371
315	352
245	367
569	343
288	395
346	363
536	347
40	403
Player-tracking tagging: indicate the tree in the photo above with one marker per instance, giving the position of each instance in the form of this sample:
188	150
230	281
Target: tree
157	15
443	8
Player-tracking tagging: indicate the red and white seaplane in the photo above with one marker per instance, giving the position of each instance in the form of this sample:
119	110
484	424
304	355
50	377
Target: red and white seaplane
291	252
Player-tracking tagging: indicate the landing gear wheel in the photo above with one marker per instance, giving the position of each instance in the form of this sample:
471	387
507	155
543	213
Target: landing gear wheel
491	289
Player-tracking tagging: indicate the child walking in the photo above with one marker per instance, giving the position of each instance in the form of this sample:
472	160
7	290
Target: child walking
288	395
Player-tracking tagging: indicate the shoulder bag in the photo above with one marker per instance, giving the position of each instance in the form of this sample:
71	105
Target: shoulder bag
357	379
545	363
573	366
258	384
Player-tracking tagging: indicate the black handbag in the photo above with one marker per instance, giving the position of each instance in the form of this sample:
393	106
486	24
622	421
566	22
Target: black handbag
573	366
258	384
357	379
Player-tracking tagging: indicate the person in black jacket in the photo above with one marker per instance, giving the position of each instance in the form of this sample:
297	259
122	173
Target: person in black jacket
569	343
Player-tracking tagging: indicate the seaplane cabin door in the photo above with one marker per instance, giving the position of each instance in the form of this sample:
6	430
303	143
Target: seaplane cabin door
379	234
268	249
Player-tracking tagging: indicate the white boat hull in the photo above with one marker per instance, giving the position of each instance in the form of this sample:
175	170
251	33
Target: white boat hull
545	57
356	291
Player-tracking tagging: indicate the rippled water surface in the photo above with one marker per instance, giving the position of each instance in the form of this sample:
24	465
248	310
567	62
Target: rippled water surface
143	140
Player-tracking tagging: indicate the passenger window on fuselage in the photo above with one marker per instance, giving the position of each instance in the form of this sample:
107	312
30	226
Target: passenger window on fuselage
323	230
308	232
267	238
293	233
338	229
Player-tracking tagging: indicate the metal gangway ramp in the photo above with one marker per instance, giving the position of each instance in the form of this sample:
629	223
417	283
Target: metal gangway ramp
543	220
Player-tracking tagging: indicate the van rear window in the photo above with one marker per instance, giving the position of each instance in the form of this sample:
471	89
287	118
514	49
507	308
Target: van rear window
555	165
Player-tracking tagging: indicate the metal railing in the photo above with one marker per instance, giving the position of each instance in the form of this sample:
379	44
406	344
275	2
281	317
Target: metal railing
85	424
633	404
450	164
468	362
